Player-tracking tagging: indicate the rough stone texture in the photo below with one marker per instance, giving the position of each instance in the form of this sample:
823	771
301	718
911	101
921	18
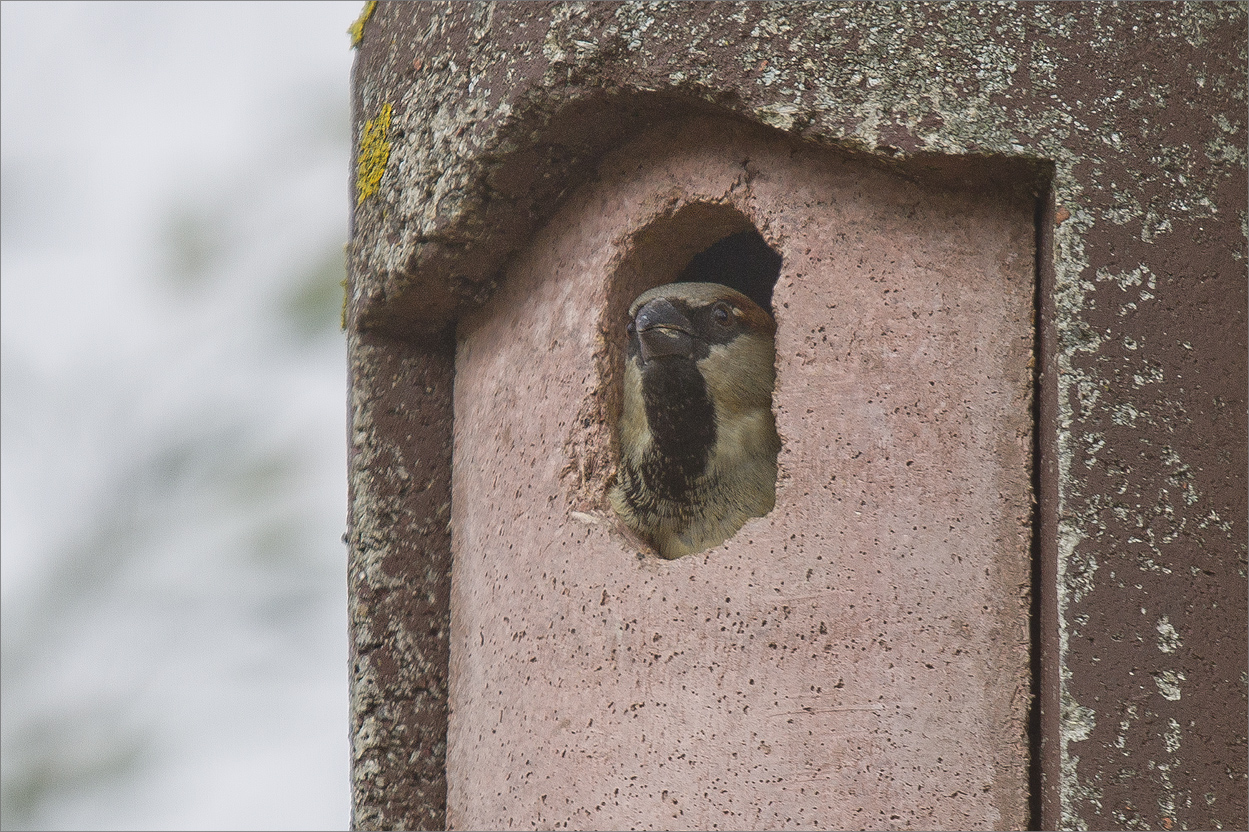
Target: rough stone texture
399	579
501	110
860	657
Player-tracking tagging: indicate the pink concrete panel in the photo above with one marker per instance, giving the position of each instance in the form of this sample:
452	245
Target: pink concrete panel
857	658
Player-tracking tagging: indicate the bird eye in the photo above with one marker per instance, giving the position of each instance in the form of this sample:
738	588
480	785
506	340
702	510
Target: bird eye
722	313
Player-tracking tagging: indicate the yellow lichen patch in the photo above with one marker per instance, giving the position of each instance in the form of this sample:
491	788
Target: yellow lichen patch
356	30
373	155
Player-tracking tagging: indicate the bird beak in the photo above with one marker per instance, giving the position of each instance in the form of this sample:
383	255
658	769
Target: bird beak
663	331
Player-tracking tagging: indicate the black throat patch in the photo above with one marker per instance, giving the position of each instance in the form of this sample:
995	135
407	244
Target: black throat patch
682	424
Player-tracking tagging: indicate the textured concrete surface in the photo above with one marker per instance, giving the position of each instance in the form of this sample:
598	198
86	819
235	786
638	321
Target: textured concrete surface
860	657
399	579
495	112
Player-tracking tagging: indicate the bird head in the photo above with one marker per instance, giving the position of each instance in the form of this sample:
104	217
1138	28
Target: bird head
698	440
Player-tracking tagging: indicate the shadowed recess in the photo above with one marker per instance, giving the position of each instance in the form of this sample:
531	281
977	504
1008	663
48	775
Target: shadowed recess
741	261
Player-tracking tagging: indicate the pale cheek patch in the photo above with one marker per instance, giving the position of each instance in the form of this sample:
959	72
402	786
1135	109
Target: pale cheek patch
741	379
741	437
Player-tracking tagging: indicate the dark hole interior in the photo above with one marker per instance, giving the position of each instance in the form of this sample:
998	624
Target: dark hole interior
741	261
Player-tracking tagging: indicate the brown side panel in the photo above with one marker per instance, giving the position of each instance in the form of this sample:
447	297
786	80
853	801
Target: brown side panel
1156	614
399	579
1153	497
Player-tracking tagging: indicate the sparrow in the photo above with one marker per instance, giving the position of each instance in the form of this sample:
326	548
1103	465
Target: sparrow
698	439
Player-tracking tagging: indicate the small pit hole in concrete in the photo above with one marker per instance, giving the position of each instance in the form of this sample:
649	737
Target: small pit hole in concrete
692	367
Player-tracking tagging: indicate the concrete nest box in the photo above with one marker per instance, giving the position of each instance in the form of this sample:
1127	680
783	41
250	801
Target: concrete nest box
825	640
888	646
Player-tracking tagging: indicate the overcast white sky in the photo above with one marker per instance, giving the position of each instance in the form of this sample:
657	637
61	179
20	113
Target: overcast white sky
172	472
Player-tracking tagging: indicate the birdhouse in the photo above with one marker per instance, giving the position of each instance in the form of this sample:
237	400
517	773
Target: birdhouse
878	614
868	651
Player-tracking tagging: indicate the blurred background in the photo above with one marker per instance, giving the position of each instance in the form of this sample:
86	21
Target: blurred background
172	471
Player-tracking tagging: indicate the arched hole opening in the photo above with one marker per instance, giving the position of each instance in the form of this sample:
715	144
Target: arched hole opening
743	261
700	243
